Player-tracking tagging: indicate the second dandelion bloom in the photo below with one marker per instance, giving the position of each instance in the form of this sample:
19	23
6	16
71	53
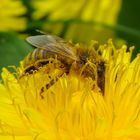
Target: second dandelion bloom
11	13
41	103
74	19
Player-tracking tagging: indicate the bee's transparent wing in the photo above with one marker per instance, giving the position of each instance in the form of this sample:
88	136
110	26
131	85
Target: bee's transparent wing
52	44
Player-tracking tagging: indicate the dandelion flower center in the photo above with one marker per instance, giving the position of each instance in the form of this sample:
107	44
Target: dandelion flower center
70	108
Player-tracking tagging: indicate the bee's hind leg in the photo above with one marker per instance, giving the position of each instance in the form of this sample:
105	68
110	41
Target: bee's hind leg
48	85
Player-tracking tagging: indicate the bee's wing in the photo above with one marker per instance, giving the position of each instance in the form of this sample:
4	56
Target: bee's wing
52	44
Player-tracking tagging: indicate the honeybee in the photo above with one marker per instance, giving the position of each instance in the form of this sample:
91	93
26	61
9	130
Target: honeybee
83	61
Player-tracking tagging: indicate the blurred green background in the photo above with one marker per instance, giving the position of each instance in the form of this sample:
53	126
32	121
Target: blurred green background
77	20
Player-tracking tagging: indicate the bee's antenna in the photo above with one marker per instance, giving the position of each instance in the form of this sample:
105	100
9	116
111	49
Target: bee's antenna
41	32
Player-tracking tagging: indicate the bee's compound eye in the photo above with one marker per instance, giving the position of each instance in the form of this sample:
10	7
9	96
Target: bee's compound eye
100	69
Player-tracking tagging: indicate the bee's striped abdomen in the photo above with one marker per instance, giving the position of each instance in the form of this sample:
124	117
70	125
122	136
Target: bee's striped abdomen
35	59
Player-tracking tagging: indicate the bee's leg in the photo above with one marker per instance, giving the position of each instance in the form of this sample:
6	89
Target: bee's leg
89	69
48	85
95	77
94	68
83	69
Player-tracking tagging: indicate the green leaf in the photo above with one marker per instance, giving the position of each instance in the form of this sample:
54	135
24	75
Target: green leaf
130	19
12	49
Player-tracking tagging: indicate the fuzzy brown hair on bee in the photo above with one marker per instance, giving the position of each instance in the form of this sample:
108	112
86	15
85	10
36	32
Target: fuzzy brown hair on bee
82	61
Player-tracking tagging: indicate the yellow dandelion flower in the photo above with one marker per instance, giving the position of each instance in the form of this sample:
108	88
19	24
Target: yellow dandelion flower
81	9
74	19
71	108
10	12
